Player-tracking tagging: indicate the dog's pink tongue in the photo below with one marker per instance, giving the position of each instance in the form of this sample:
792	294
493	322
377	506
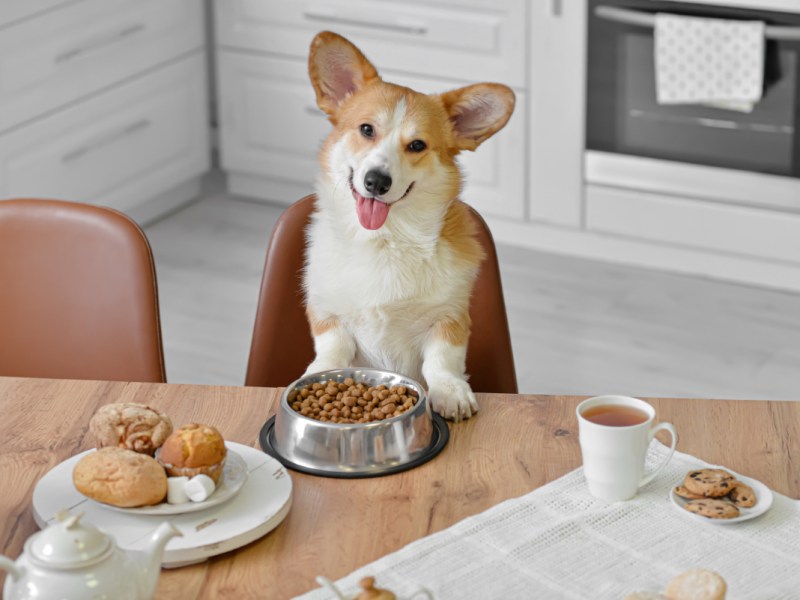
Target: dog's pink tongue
371	213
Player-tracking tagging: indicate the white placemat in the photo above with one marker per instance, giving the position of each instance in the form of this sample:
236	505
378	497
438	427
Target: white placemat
558	542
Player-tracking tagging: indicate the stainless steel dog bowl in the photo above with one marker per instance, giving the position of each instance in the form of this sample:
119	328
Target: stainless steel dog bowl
355	449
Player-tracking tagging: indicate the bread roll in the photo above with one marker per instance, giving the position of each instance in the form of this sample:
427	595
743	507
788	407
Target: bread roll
194	449
129	425
120	477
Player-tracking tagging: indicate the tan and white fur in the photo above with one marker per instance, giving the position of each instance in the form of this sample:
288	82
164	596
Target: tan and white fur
392	257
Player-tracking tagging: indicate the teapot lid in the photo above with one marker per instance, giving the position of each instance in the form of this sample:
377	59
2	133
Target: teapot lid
68	543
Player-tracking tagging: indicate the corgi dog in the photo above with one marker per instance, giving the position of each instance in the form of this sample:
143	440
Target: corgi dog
391	255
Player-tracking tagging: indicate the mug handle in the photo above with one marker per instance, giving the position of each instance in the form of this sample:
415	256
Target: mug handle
650	435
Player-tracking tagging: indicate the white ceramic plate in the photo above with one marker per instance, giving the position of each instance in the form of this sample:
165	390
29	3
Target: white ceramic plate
763	502
262	504
234	474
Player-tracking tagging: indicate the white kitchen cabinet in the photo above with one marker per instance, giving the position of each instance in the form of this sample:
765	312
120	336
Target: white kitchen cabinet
270	128
105	101
693	223
87	47
108	106
116	148
557	112
17	10
458	39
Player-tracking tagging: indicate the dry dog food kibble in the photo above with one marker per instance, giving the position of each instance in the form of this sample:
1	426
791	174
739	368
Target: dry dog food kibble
351	402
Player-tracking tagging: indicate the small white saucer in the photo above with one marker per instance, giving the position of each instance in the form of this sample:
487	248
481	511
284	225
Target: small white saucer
763	503
234	474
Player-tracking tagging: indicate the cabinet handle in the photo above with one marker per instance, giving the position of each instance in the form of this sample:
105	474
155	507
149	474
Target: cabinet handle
329	16
644	19
99	43
105	140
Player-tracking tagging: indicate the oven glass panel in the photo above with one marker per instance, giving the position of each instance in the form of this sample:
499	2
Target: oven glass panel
623	115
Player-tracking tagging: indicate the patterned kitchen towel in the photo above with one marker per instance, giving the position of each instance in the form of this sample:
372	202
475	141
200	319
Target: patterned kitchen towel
715	62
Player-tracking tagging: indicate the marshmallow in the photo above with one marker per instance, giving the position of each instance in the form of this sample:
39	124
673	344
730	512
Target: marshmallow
176	490
199	488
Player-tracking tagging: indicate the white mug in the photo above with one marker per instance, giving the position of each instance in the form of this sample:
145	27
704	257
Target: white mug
613	455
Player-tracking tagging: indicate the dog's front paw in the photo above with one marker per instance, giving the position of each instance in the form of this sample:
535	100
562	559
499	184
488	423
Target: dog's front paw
452	398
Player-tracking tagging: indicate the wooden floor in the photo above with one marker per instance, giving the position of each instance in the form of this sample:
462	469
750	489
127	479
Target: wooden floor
578	326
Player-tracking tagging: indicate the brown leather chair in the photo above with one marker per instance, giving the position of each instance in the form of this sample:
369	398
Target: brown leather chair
78	296
282	345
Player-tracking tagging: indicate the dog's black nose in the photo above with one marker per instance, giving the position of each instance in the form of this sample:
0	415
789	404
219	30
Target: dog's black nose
377	182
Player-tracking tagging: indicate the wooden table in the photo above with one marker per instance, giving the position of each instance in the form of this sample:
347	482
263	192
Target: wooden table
515	444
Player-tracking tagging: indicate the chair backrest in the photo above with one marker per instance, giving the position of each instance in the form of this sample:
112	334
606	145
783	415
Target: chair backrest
282	345
78	295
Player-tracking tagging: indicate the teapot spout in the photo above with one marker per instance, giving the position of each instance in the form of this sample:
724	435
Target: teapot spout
148	561
7	564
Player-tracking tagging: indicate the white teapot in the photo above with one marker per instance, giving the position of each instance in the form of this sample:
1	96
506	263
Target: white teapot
74	560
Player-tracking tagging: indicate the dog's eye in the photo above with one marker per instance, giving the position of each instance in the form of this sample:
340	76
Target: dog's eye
417	146
367	131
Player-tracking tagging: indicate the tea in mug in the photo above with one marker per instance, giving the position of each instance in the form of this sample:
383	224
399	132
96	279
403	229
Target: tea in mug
615	415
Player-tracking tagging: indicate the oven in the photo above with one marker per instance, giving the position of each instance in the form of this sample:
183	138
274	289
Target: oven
700	150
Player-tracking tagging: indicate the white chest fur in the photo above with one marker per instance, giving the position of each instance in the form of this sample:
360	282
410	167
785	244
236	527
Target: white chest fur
386	289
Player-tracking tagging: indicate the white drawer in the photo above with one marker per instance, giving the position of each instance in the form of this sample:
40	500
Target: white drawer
271	128
686	222
71	52
269	122
16	10
470	40
117	149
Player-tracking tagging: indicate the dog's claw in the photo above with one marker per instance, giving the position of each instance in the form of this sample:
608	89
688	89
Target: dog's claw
453	399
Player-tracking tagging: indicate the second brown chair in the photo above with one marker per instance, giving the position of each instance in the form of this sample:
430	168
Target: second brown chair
282	345
78	295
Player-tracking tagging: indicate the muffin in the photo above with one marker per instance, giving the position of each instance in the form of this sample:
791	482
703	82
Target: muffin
120	477
132	426
194	449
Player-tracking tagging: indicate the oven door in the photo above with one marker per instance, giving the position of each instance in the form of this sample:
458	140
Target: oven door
690	149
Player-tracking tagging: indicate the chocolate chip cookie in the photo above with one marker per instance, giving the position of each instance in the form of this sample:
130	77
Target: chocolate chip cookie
712	508
698	583
681	491
710	483
742	495
694	584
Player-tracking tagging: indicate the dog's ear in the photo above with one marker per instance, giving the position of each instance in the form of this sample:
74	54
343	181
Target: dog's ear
337	69
477	112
